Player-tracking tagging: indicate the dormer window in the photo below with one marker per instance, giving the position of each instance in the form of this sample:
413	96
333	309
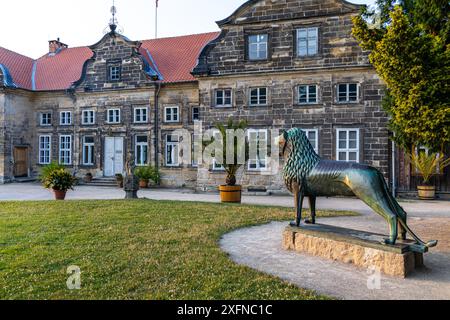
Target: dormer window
114	73
258	45
307	42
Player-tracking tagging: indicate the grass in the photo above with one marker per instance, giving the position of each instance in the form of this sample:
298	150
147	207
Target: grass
139	249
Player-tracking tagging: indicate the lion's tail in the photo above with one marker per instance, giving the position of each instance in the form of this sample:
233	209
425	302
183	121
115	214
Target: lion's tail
401	213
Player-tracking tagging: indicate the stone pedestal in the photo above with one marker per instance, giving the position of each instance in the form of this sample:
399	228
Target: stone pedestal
131	187
363	249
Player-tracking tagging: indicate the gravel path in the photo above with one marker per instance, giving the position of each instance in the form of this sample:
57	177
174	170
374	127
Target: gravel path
260	248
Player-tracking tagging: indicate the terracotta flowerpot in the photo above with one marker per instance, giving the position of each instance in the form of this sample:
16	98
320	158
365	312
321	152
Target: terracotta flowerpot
143	184
427	192
88	178
230	194
59	194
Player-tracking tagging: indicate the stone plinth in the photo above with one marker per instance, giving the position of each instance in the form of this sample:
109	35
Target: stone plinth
363	249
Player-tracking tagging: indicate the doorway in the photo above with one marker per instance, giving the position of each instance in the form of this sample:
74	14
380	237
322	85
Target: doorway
113	156
20	162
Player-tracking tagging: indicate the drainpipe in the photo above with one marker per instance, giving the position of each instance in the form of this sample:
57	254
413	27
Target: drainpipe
156	132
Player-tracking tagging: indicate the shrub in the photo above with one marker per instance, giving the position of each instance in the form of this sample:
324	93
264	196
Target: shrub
429	165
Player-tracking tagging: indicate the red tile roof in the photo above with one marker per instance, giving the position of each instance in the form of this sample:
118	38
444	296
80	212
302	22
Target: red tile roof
19	66
58	72
174	58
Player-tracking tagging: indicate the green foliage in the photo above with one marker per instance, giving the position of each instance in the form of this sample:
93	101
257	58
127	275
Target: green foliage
133	250
238	148
48	169
148	173
411	53
56	178
429	164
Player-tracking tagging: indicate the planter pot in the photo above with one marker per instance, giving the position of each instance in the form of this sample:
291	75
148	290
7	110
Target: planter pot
87	178
230	194
426	192
143	184
59	195
119	182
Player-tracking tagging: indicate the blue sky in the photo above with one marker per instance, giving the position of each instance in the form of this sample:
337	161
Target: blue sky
27	25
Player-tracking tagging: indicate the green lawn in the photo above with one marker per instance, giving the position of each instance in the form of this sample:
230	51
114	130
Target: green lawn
139	249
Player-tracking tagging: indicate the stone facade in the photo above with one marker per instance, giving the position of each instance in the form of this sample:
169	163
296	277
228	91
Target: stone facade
224	63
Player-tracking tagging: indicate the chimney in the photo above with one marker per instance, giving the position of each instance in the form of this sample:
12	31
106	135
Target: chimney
55	45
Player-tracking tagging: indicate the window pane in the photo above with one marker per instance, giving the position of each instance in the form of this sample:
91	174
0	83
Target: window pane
141	139
342	156
352	156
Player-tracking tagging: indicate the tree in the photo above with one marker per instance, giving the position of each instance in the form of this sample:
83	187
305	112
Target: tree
410	50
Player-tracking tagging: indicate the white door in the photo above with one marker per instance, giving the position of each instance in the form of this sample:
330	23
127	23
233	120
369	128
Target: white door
113	156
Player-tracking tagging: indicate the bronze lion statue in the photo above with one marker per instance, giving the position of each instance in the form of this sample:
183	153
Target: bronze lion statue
307	175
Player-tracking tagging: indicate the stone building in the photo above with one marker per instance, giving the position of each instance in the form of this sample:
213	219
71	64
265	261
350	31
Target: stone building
276	63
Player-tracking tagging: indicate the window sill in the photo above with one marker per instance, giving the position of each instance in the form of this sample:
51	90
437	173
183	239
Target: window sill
309	105
222	106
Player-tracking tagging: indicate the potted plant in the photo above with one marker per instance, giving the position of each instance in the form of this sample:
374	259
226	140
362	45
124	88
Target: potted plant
428	165
147	173
58	180
88	177
230	192
119	180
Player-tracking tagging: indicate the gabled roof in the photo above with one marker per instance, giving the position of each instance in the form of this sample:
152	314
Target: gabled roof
171	58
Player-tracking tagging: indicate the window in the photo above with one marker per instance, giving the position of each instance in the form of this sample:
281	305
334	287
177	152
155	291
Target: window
65	150
307	42
88	117
171	114
114	73
196	147
172	142
65	118
258	47
307	94
223	98
215	165
348	145
258	97
141	115
113	116
258	139
88	151
195	114
45	144
46	119
141	151
313	137
348	92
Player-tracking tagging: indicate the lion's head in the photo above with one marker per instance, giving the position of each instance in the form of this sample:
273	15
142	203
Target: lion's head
299	155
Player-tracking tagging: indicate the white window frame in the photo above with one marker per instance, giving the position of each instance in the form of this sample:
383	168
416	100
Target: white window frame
143	112
224	97
312	35
308	95
90	117
142	161
175	155
258	168
316	131
117	117
347	99
65	118
45	149
91	151
63	149
215	165
172	115
348	150
260	45
49	119
258	96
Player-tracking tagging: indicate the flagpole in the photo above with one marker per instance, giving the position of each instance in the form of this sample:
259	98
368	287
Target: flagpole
156	20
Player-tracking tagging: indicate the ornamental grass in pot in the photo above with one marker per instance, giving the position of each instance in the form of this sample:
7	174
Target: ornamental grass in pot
230	192
147	174
428	165
56	178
